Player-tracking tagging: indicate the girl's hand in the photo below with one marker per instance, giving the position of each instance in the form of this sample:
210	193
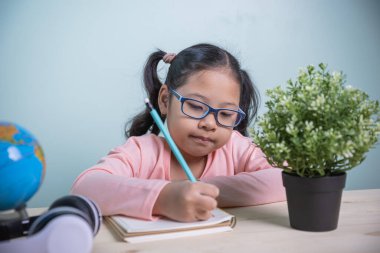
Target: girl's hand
186	201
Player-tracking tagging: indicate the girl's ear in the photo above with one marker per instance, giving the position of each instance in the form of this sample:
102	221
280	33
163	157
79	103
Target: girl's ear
163	99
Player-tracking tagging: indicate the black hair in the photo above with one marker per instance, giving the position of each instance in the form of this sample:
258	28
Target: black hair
189	61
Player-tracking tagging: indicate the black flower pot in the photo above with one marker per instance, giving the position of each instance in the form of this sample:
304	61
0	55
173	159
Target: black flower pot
314	203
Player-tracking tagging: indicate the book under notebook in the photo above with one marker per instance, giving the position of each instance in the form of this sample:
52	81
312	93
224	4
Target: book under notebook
135	230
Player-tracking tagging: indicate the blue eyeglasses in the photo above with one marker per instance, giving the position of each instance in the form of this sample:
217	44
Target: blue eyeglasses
198	110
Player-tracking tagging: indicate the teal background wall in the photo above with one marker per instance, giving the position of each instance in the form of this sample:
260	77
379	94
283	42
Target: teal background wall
70	71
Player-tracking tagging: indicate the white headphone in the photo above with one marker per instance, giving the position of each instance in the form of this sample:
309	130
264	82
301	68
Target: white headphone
68	226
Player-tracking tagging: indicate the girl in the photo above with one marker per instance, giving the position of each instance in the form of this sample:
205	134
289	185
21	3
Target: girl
208	102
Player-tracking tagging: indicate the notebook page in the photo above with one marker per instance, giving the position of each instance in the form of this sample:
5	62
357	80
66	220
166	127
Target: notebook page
135	225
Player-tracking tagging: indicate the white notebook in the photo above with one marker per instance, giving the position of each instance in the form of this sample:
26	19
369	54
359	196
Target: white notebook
135	230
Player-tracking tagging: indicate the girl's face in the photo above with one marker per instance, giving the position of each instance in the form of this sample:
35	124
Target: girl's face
199	137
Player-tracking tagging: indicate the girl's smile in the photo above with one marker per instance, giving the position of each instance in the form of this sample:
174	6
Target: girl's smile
202	140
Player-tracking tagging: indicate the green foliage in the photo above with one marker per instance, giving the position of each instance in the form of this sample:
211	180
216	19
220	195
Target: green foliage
317	126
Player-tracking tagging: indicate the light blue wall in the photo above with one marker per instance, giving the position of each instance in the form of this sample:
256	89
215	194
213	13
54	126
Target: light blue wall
70	71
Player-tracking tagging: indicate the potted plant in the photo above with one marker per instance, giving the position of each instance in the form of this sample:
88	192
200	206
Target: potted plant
316	129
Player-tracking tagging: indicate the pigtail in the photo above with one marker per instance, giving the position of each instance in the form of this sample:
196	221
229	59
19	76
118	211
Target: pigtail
249	102
143	122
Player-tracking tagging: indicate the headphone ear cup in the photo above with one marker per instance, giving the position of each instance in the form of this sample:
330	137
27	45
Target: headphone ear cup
48	216
85	205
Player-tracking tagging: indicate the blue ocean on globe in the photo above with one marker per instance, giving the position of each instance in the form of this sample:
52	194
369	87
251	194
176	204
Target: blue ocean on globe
22	166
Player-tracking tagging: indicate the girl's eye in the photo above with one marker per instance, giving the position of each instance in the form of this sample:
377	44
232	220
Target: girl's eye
195	106
227	114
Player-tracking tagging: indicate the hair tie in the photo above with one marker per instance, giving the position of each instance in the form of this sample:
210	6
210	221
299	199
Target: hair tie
169	57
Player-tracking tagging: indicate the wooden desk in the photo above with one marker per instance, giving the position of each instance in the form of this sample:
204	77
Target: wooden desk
266	229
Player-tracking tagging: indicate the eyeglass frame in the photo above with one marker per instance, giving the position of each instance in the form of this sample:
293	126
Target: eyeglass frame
211	109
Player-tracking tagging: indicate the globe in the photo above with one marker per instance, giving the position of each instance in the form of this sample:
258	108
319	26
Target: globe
22	166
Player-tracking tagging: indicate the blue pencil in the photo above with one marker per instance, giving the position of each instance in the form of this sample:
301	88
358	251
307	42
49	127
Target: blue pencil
170	141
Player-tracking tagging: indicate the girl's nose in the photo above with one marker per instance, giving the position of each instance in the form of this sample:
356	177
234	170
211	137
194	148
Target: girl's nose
208	123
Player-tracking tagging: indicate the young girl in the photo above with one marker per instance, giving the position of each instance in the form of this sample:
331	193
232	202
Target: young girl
207	102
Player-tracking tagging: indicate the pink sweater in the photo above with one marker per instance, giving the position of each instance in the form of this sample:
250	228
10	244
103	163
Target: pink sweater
129	179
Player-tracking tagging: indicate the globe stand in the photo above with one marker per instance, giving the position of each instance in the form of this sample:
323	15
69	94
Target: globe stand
14	223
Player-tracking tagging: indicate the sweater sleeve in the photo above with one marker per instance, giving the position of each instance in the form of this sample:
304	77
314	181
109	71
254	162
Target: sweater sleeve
254	181
118	186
